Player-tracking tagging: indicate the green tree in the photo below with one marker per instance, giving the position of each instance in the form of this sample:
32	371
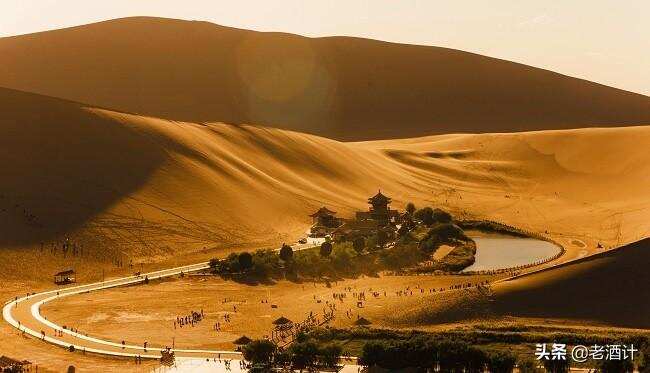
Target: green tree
373	353
330	354
644	365
424	216
410	208
259	351
286	252
303	354
325	249
501	362
245	260
528	365
359	244
441	216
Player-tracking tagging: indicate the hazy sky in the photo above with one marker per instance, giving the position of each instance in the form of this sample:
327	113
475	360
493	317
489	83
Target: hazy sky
603	41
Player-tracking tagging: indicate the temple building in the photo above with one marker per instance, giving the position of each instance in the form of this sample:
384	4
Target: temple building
324	222
379	217
367	223
379	211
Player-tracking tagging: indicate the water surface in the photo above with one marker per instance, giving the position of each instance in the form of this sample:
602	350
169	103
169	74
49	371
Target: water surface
495	251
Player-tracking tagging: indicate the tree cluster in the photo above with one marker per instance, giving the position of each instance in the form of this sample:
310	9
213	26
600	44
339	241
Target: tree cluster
302	354
427	353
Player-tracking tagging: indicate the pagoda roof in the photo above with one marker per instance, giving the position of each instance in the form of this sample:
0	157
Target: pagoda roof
282	320
322	212
379	198
243	340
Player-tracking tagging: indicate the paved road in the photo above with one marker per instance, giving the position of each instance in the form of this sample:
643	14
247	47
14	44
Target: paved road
24	313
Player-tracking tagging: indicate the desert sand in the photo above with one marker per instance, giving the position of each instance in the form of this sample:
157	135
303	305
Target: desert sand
155	192
128	187
606	289
114	316
337	87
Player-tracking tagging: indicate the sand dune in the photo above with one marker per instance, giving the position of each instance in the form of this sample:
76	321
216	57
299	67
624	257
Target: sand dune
605	289
337	87
608	288
147	187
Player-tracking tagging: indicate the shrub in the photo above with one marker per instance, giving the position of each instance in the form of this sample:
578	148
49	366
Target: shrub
410	208
442	234
424	216
286	252
329	355
528	365
359	244
245	260
325	249
401	256
303	354
644	365
374	353
441	216
501	362
259	351
266	264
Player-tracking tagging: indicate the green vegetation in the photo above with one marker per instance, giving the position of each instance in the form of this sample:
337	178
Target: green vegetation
260	351
358	244
410	208
302	354
491	227
429	216
286	253
496	349
361	256
442	234
326	249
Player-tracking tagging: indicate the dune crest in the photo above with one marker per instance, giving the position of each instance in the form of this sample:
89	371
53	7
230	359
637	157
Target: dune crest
338	87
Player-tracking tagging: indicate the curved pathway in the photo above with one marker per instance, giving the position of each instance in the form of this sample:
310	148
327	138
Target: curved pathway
24	314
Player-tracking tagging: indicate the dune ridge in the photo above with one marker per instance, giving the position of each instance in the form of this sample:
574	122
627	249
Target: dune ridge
338	87
158	188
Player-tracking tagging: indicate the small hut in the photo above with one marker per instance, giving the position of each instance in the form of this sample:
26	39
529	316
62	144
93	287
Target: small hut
65	277
282	321
362	321
243	340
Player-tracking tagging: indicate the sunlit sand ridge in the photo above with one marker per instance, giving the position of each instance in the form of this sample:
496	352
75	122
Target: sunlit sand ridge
338	87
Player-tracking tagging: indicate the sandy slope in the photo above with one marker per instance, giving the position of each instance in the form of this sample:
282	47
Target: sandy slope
610	288
127	186
606	289
337	87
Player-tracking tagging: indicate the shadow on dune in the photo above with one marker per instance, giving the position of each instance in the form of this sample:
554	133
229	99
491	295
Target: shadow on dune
610	287
62	164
